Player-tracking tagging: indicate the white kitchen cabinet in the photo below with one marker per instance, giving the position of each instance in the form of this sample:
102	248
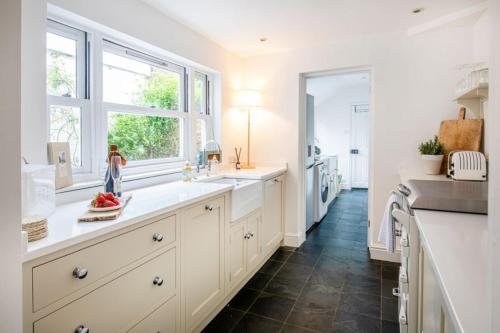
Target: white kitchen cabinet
162	320
253	243
244	247
434	316
202	268
272	216
237	255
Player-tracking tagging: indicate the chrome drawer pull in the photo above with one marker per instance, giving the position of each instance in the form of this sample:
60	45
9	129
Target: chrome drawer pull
157	237
395	292
157	281
82	329
80	273
209	208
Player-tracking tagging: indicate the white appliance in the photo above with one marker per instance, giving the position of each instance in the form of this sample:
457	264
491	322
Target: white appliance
332	165
467	165
321	189
309	162
409	240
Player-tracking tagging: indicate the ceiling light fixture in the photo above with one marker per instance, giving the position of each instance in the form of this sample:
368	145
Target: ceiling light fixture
263	39
418	10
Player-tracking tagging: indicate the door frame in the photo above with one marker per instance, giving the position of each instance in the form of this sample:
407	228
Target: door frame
351	167
301	235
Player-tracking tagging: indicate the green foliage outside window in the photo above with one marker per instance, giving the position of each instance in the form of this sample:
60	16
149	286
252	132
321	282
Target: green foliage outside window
149	137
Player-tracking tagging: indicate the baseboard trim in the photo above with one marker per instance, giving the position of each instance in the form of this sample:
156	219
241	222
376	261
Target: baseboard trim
294	239
382	254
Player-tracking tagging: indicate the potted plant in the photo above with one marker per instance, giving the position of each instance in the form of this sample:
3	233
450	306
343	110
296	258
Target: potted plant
432	154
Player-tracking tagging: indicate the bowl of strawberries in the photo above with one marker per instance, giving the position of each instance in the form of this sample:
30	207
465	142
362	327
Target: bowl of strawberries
104	202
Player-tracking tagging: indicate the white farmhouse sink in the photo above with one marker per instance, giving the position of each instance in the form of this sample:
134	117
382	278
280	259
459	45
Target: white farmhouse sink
245	197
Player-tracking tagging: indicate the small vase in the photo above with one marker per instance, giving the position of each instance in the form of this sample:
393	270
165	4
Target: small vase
432	164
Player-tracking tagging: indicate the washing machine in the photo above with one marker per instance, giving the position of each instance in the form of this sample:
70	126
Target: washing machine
332	163
321	188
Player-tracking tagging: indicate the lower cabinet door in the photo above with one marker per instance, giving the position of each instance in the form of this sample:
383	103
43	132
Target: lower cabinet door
162	320
118	304
253	241
203	260
237	255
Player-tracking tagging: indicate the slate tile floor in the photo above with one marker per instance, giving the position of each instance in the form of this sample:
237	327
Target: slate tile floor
329	284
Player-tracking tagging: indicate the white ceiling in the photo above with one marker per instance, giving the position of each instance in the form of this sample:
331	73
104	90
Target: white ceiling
323	87
237	25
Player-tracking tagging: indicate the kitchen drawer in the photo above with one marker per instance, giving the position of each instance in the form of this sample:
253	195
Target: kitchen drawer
57	279
162	320
119	303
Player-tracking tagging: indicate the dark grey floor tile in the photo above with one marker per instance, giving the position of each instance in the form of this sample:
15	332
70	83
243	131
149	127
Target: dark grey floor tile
310	247
311	317
258	281
321	277
251	323
333	266
369	269
390	272
320	296
387	286
360	304
307	259
363	284
295	329
281	254
225	321
271	267
346	322
390	327
339	253
272	306
295	271
390	309
243	299
289	288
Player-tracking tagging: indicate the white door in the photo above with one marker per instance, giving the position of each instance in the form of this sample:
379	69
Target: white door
360	143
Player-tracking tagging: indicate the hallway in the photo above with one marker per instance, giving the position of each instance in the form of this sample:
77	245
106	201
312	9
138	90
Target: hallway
329	284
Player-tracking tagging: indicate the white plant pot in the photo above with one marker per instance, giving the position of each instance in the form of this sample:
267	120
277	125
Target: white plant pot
432	164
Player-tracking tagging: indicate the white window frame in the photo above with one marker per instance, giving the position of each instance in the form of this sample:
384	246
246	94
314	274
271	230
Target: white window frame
207	114
82	98
94	127
182	114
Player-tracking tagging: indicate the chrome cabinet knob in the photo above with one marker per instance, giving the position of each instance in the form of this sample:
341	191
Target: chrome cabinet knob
82	329
276	180
247	236
251	234
80	273
209	208
157	237
157	281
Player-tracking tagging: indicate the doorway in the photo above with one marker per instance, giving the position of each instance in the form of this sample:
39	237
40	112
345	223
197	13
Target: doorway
337	130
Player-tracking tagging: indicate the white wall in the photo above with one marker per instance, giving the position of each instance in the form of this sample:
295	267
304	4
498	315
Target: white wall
494	168
133	18
10	178
413	81
334	97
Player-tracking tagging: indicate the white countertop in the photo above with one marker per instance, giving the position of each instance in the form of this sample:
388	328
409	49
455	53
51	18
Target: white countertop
65	230
456	244
260	173
457	247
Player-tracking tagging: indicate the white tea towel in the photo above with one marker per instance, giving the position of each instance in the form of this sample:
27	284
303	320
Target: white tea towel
386	234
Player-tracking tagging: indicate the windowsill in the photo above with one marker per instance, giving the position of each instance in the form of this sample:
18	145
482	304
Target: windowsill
83	185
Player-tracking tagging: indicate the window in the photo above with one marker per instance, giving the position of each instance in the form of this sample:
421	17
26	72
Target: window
66	90
143	98
131	97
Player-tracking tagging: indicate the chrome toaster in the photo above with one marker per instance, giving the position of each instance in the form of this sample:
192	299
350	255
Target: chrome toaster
467	165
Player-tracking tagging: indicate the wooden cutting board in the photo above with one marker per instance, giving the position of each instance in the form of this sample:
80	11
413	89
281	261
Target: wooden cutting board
460	134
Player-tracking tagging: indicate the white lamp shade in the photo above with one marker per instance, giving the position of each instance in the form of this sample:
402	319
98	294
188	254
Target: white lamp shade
248	99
